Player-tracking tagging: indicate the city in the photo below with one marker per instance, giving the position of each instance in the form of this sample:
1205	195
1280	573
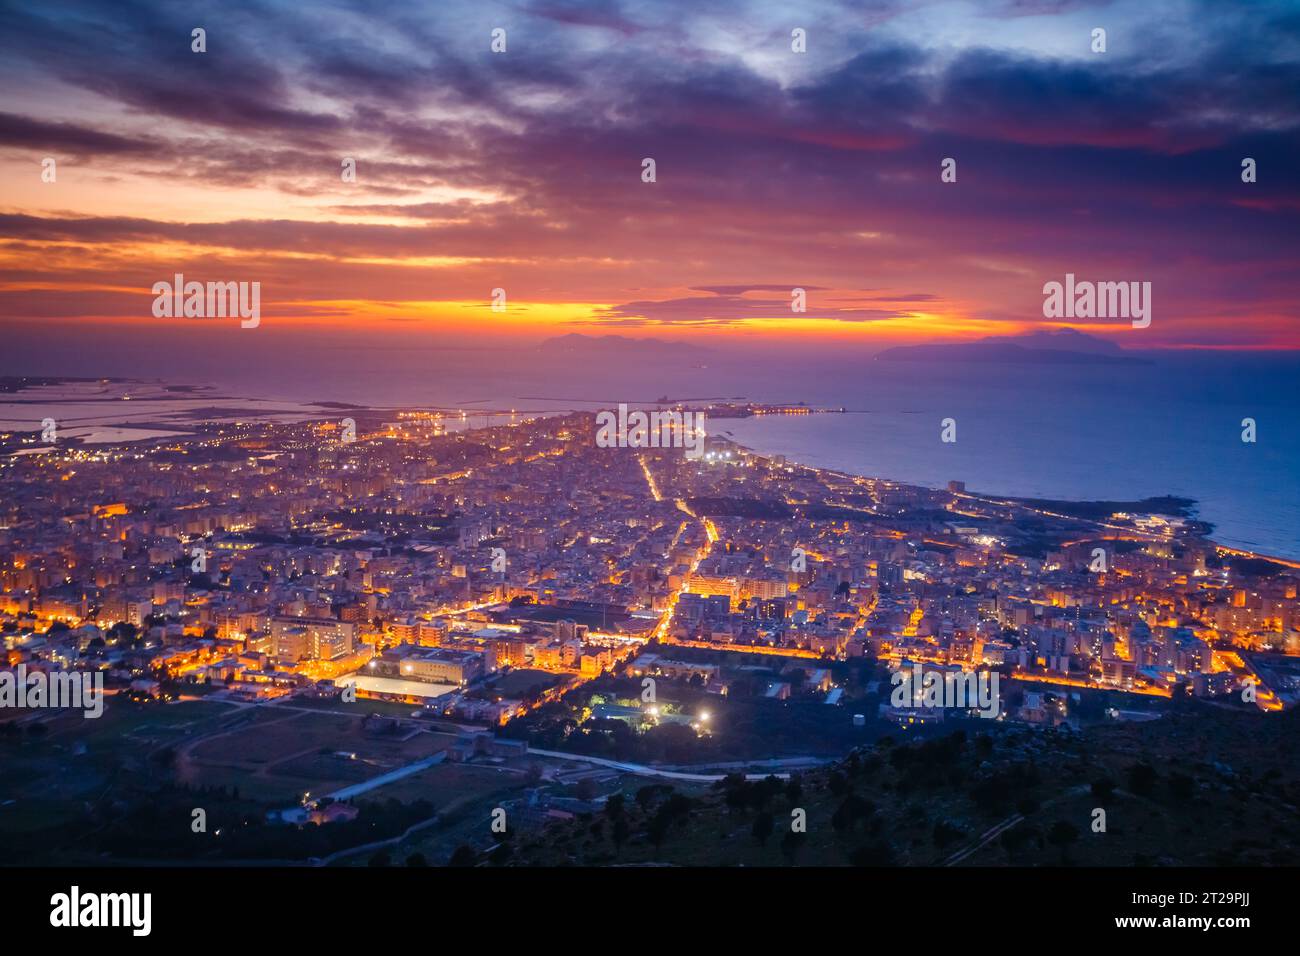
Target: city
469	592
610	460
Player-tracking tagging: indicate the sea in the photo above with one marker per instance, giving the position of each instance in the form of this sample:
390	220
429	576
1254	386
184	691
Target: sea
1115	432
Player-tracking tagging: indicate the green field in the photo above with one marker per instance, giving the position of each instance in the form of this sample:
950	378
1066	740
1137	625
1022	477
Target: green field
290	753
53	776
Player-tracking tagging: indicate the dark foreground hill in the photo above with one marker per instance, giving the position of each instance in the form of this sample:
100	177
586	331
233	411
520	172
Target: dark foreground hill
1205	786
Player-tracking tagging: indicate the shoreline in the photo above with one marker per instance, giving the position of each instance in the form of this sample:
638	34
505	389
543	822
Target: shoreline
309	411
1017	501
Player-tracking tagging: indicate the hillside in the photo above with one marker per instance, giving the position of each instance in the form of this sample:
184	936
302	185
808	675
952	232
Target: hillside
1024	798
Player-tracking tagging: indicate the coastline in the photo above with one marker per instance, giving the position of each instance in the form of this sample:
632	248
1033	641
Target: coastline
1285	562
179	406
1224	487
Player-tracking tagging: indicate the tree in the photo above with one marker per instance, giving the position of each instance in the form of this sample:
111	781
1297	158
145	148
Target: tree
1061	835
878	853
416	859
651	793
463	856
676	807
619	832
1012	840
945	835
763	827
848	813
791	844
658	831
1142	779
1181	786
738	796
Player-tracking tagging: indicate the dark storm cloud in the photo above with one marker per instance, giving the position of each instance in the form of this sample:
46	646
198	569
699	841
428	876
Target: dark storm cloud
824	167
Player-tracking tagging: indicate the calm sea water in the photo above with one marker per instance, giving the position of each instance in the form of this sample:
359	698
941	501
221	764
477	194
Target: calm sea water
1083	432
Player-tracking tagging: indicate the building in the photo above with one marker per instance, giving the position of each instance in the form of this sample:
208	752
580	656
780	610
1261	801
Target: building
442	665
373	687
321	639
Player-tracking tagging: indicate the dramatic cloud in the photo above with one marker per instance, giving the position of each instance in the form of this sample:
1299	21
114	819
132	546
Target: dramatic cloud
523	170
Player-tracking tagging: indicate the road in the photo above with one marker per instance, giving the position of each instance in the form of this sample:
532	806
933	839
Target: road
347	793
984	839
641	770
991	834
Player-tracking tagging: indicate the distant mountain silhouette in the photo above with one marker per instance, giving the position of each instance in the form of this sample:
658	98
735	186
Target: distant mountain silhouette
1057	347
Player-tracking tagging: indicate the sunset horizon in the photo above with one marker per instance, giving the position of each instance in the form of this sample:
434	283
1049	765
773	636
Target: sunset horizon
822	170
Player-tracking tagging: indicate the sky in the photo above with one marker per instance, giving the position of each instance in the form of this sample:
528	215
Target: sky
774	169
